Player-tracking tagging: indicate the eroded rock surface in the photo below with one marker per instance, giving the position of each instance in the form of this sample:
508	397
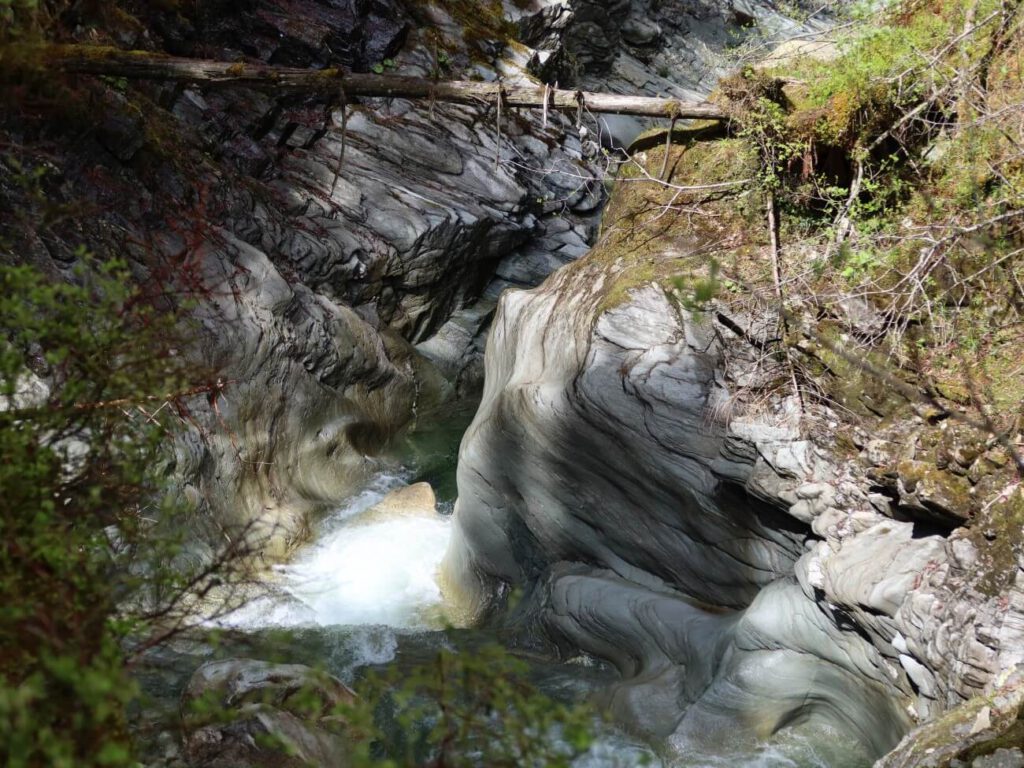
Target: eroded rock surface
596	445
733	566
416	500
678	49
344	235
310	275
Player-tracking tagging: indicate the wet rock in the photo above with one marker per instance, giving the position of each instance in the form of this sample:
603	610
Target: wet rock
243	712
457	348
592	446
416	500
301	424
765	664
631	369
313	281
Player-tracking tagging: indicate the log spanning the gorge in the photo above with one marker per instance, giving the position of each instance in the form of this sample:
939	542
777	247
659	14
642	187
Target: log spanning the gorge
113	62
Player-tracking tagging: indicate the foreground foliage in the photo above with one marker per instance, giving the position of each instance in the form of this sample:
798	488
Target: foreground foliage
908	159
478	706
466	710
80	375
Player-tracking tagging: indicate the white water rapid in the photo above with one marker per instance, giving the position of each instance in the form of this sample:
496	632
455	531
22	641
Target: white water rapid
357	572
368	580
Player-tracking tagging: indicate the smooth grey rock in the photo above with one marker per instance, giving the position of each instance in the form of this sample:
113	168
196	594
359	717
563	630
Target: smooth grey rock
763	664
299	427
592	445
922	678
878	568
313	280
635	376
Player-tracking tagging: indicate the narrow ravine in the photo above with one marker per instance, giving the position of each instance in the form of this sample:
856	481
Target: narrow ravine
311	388
363	595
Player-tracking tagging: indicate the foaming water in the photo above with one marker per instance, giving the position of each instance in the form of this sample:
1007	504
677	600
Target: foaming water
367	586
377	573
382	573
615	750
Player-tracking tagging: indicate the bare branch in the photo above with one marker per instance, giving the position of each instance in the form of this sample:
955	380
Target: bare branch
143	65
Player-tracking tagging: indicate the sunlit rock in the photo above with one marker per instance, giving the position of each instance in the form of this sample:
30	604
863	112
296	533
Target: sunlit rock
410	501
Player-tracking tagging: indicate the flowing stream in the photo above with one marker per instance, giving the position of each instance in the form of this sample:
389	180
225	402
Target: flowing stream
362	595
379	573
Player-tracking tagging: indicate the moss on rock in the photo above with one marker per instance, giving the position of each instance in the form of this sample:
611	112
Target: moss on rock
997	533
670	233
973	730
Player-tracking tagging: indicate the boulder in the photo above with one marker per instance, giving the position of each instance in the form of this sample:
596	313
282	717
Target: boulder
985	732
416	500
640	32
242	713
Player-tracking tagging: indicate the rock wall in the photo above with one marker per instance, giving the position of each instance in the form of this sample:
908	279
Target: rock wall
595	477
334	270
736	564
678	49
310	281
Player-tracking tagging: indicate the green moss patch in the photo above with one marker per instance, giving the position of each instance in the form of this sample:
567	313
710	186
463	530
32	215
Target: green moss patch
670	234
997	533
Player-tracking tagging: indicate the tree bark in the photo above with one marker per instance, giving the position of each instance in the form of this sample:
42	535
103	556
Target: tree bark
113	62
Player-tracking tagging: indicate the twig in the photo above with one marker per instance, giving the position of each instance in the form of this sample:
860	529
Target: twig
668	147
771	206
344	131
497	145
844	221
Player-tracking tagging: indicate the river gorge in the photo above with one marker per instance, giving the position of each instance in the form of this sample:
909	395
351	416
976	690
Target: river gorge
561	381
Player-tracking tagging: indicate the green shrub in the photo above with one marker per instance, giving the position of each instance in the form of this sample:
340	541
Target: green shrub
464	710
83	366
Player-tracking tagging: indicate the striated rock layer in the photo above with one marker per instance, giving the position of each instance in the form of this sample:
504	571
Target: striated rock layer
343	258
326	274
735	568
594	475
314	244
342	250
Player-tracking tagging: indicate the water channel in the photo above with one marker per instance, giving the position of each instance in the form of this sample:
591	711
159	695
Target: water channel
362	596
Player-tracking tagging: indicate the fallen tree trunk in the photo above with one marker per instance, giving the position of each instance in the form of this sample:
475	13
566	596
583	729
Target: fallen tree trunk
113	62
